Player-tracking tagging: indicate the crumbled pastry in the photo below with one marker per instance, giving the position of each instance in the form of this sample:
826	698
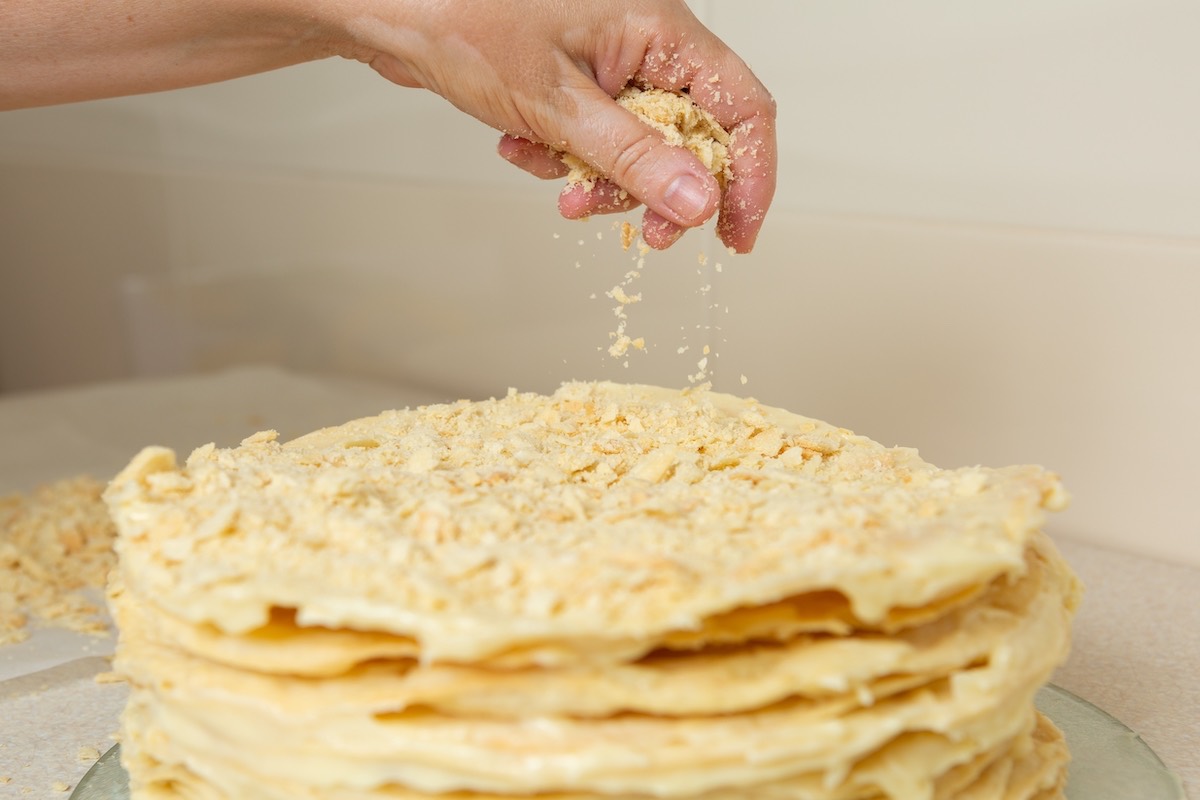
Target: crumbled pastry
604	510
675	117
54	543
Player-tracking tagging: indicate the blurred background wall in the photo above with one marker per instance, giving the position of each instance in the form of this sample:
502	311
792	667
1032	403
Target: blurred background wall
986	243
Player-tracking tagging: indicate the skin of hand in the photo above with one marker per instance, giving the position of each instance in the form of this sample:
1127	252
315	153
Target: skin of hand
543	72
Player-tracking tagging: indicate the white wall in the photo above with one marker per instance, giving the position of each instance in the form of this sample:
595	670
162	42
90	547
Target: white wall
986	243
1079	114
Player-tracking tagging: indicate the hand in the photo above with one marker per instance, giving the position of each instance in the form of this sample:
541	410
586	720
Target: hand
544	72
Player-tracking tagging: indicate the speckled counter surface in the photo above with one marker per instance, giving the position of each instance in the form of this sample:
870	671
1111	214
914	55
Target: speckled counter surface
1137	637
1137	650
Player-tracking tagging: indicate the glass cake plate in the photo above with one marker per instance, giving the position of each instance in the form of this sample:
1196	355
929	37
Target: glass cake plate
1108	760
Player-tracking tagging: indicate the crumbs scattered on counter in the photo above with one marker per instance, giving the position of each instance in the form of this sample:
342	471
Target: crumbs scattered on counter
61	786
54	543
87	755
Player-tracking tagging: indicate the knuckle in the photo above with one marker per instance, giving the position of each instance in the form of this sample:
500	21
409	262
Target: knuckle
633	156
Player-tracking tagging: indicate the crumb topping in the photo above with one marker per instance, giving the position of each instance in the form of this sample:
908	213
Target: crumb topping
607	509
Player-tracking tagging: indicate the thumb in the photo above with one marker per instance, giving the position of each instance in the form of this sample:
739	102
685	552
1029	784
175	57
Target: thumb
666	178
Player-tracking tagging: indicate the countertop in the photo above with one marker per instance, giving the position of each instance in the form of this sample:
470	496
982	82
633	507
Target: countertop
1137	637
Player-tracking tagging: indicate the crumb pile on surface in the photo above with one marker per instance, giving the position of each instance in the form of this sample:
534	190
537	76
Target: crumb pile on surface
55	543
614	591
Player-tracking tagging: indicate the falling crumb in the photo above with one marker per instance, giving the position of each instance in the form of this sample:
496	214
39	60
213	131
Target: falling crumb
581	242
556	236
619	295
87	755
681	122
620	346
701	371
682	349
717	266
706	350
60	786
599	235
628	234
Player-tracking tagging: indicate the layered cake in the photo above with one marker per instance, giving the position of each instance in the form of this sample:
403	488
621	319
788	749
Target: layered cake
613	591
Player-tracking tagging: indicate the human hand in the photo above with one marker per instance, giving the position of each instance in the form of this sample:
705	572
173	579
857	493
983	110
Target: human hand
544	72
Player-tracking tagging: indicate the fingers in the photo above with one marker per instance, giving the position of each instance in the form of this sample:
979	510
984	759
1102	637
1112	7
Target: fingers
675	53
659	233
668	179
536	159
579	201
748	195
721	83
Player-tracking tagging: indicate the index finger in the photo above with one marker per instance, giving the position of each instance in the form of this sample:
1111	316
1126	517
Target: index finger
722	84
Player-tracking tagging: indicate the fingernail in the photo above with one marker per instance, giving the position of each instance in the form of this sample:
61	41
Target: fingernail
687	196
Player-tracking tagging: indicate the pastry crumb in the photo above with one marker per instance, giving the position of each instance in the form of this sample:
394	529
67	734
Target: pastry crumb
628	234
55	543
680	121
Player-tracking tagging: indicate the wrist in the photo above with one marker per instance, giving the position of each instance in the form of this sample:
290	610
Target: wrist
352	29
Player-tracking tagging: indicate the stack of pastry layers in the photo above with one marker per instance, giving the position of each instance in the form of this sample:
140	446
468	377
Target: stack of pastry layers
611	592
